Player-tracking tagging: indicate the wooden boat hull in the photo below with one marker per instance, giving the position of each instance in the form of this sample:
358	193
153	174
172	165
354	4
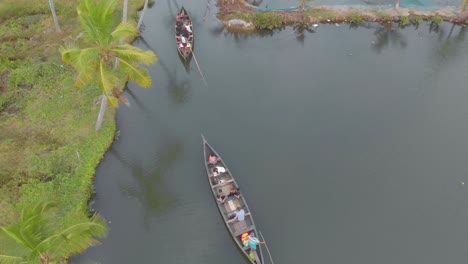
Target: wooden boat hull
184	52
239	230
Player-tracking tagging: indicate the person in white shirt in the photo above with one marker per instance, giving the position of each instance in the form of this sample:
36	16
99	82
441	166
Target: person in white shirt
218	170
188	28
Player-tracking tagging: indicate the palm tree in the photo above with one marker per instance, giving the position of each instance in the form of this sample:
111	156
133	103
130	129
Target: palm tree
38	238
303	4
94	63
54	15
142	14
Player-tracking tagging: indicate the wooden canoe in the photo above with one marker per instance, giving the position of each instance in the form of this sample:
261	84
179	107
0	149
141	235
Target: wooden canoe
182	19
239	230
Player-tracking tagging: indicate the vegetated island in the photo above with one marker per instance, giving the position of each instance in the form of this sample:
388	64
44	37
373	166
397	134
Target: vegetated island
240	16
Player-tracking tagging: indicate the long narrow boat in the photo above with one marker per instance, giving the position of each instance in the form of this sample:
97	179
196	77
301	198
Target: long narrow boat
241	231
184	49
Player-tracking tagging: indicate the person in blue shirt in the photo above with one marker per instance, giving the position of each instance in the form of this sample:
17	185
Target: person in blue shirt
240	215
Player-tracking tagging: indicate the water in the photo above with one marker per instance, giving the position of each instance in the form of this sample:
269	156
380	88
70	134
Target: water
349	144
414	4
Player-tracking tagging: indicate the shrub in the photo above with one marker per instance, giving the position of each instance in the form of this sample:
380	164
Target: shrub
416	20
267	20
437	20
404	21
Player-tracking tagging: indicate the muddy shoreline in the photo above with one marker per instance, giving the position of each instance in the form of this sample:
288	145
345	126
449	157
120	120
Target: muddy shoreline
239	16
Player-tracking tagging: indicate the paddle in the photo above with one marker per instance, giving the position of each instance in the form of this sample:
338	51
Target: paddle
196	62
266	246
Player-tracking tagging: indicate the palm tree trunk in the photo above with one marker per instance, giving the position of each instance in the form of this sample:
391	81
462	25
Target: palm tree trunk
52	8
102	110
125	10
397	4
142	14
463	6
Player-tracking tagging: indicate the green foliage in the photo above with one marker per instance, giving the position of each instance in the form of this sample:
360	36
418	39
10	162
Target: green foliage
437	20
20	8
95	63
321	13
267	20
356	18
24	78
44	121
38	236
404	21
416	20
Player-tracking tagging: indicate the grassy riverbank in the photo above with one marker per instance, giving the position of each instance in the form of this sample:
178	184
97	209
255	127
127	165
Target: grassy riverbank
48	146
239	9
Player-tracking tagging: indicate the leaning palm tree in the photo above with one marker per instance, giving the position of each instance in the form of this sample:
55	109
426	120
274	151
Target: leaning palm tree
37	238
95	63
54	15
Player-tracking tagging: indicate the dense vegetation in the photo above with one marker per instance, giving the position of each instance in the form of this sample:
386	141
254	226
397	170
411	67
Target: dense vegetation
48	146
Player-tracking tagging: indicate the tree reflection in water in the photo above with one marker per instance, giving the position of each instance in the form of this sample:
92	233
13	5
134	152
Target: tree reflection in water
179	91
147	185
388	34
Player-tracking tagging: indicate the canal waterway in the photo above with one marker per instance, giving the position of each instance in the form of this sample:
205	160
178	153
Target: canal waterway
372	4
350	145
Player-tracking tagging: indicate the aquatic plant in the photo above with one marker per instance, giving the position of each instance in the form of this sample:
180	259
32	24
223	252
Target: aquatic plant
437	20
404	21
416	20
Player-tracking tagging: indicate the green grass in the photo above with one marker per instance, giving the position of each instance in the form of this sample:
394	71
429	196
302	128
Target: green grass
356	18
267	20
320	13
48	148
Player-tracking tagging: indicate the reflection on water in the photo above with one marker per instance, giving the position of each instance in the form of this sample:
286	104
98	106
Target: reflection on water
179	91
147	185
447	50
366	3
377	164
388	34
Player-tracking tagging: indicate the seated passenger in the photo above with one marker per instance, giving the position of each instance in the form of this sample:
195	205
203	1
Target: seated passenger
234	192
218	171
188	27
221	197
212	159
240	215
253	242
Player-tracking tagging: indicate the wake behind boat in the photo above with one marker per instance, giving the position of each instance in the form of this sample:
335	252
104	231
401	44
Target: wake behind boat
230	201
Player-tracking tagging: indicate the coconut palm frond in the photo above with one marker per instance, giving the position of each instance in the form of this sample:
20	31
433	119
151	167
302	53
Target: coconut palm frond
85	61
136	73
75	238
125	31
5	259
97	19
129	52
108	82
